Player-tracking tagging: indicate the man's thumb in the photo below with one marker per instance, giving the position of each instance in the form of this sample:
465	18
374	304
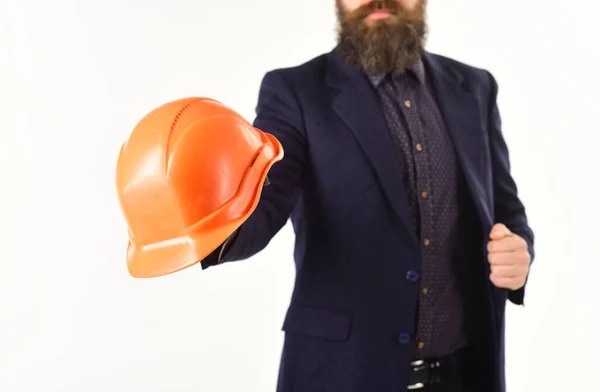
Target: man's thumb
499	231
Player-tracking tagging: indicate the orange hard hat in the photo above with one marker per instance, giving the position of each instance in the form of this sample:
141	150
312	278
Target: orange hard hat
189	175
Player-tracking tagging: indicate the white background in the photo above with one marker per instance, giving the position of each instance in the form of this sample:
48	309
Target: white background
77	75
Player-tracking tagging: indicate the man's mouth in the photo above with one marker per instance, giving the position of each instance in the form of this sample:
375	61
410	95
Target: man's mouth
379	14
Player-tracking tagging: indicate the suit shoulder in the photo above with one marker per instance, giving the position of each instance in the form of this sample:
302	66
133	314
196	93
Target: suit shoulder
472	73
459	66
304	74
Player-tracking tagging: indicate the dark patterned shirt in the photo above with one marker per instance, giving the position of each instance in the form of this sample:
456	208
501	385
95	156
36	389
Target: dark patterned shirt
442	213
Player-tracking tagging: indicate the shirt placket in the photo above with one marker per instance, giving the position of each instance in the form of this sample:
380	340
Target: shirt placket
420	156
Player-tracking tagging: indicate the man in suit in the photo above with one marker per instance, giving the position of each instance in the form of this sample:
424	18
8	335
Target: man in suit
410	236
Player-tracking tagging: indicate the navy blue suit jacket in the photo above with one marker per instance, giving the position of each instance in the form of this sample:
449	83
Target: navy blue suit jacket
339	181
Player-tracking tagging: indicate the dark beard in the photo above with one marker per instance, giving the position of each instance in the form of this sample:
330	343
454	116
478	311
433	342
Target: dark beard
389	45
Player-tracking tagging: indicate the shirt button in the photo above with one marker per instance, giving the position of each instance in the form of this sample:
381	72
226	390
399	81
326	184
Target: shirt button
424	195
426	242
408	103
404	338
421	345
419	147
412	276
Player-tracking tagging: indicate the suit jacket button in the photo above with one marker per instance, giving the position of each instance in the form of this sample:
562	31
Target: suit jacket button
412	276
404	338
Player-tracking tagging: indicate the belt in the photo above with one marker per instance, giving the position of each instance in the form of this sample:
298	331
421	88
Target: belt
436	371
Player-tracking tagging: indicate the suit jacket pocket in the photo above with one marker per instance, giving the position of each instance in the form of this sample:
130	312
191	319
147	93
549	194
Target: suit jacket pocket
318	323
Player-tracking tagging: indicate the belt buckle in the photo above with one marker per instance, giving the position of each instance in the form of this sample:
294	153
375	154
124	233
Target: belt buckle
418	385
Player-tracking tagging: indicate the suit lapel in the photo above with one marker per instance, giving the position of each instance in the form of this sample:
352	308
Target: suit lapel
357	104
461	113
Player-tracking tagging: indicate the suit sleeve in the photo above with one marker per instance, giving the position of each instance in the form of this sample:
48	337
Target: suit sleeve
278	114
508	208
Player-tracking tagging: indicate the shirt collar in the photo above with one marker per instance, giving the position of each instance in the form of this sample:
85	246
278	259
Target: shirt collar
417	70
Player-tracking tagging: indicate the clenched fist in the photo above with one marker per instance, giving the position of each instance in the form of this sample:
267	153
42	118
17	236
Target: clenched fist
509	258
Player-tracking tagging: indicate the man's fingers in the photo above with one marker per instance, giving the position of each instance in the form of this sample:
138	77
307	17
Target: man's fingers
502	245
501	258
509	258
505	271
501	282
507	244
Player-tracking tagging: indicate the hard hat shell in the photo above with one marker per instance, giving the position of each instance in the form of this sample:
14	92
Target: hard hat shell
189	175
